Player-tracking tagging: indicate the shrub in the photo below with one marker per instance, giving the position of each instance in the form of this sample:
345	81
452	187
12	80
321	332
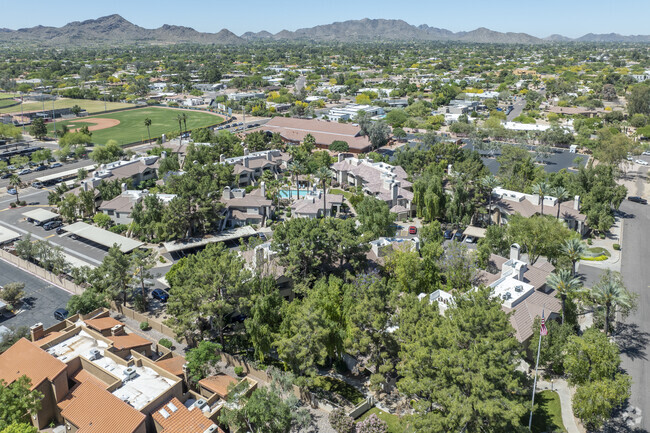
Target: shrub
12	204
144	326
161	259
119	228
589	241
165	343
13	292
239	371
23	203
602	235
340	422
617	247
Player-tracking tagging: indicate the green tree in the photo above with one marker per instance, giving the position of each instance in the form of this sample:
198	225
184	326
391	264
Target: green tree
560	194
565	284
18	401
610	293
460	367
324	174
42	155
38	129
638	101
375	217
116	271
339	146
591	357
489	183
11	336
538	236
147	123
76	110
103	220
595	401
88	301
263	412
379	134
15	182
574	249
20	428
141	263
372	424
103	154
264	319
13	292
553	345
202	359
341	422
429	195
542	189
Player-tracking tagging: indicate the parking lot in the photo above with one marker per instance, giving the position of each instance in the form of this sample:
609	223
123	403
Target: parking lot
40	300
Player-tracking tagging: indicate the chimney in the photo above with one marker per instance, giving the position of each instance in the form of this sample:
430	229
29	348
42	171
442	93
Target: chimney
394	193
36	331
341	157
245	151
117	330
576	202
222	158
269	157
123	187
163	138
85	186
263	189
246	159
186	376
225	195
515	252
536	199
163	154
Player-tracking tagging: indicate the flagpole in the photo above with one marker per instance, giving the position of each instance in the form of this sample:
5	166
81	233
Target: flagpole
542	328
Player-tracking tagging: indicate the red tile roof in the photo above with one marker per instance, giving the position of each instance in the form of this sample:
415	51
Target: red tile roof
180	419
128	341
218	384
26	358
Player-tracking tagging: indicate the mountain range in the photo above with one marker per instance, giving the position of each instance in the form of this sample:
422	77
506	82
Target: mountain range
114	29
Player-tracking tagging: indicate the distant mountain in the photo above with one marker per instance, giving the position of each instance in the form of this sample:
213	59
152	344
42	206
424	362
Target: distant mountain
114	29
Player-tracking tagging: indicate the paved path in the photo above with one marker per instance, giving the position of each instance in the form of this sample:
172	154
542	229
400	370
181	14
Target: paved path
561	387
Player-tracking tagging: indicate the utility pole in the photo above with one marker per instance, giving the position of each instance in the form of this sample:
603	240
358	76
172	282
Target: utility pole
22	115
542	331
54	118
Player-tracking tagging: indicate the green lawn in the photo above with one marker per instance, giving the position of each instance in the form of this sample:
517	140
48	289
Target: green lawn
132	129
597	254
345	194
339	387
6	102
89	105
7	95
547	416
395	424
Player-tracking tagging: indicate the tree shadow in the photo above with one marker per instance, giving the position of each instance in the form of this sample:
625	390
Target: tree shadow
542	419
632	340
624	420
28	302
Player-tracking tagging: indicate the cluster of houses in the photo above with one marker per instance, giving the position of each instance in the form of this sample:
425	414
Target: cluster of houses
96	375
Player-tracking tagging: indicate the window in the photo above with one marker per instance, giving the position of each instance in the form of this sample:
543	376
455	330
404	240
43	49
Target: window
110	212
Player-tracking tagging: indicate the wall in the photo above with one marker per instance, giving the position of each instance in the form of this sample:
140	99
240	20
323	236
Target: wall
362	408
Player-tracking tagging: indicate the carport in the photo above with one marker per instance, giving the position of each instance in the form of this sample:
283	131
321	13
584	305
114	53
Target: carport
102	237
7	235
40	216
475	232
224	236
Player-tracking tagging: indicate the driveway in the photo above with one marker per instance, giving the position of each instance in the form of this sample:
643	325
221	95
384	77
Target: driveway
40	300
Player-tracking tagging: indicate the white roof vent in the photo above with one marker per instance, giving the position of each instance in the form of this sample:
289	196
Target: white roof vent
164	413
211	429
130	373
172	407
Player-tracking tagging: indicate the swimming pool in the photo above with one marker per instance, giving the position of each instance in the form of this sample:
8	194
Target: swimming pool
284	193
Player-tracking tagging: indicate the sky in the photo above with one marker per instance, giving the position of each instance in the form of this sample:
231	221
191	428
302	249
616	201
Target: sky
572	18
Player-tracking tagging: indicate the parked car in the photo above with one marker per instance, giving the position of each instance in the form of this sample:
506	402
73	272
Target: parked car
12	191
448	234
5	176
56	165
470	239
24	171
413	230
646	153
41	168
61	314
52	224
637	199
458	236
37	184
160	294
60	230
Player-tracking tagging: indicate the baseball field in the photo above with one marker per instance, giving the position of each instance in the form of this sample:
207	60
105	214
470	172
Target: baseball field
86	104
128	126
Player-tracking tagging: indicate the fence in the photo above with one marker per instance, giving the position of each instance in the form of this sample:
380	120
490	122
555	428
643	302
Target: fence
362	408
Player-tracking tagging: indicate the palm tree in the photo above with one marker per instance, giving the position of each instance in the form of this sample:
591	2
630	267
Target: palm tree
296	168
564	284
324	174
612	294
489	183
15	181
180	125
561	194
147	123
541	189
574	249
184	117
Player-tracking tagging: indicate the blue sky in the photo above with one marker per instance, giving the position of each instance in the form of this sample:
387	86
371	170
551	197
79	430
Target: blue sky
568	17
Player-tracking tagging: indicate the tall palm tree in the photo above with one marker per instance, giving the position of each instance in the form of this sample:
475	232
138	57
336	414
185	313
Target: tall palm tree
324	174
147	123
564	284
542	189
574	249
296	168
561	194
184	117
610	293
489	183
180	125
15	181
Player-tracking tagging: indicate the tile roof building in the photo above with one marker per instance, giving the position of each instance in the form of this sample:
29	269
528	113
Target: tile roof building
295	130
384	181
244	209
508	202
250	167
311	205
121	207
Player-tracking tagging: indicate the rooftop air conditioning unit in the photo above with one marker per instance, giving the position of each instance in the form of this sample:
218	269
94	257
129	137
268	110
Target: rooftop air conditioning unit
94	354
200	403
211	429
130	373
519	288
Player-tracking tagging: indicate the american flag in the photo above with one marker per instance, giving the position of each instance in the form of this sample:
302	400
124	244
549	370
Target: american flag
542	329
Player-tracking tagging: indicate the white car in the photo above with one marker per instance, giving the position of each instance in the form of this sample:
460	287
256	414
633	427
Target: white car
641	162
629	158
646	153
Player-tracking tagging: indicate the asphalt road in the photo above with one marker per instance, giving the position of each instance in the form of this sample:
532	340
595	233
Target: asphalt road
40	300
517	108
635	335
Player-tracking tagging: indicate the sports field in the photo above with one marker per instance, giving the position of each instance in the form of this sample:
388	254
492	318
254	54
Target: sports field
6	102
128	126
7	95
89	105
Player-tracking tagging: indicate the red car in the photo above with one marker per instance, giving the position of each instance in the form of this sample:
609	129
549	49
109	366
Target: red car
413	230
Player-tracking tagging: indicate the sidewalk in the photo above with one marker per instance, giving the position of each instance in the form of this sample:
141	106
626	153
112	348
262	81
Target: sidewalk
562	388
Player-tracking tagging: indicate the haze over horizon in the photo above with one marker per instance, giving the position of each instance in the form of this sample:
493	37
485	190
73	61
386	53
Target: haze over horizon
568	18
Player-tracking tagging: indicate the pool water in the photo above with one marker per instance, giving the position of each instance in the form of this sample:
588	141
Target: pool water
285	193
